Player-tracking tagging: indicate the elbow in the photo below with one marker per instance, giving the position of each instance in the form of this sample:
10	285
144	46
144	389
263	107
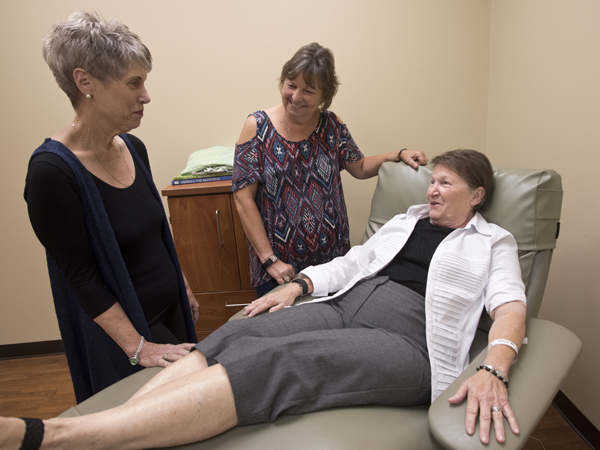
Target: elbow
236	199
362	175
359	169
243	202
367	172
521	308
239	200
517	309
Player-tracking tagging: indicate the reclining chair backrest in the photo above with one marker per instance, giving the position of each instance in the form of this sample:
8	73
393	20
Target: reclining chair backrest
526	202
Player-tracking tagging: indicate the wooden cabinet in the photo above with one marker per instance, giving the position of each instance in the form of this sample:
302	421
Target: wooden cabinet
212	249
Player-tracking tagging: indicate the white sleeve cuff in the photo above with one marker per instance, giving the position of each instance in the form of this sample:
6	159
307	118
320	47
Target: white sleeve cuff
319	281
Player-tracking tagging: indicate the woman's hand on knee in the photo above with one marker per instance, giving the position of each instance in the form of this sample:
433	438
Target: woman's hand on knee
153	355
273	301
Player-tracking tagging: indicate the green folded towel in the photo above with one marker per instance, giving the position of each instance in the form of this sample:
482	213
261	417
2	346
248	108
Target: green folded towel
210	160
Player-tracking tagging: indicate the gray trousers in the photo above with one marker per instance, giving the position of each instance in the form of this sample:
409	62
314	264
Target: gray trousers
367	347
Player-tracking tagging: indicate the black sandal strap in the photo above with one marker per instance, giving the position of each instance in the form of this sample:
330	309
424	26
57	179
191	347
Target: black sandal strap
34	434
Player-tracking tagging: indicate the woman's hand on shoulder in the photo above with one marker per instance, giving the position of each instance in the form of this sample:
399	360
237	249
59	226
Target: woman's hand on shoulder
248	130
484	391
154	355
273	301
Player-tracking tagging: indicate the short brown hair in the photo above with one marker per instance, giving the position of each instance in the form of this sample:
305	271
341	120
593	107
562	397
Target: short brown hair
473	167
317	65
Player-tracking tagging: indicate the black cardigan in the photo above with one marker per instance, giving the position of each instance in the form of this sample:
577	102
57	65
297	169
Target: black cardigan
95	360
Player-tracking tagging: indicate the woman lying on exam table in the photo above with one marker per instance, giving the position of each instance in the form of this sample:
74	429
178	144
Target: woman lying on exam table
373	347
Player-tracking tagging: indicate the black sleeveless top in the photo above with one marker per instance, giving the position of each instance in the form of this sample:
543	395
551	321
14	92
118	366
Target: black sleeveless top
411	265
56	215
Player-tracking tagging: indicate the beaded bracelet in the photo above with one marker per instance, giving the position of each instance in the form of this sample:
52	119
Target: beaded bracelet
303	286
496	372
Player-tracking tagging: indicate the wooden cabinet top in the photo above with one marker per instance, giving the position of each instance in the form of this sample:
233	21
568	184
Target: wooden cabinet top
183	190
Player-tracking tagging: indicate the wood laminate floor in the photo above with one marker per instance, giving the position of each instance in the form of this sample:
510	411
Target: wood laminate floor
41	387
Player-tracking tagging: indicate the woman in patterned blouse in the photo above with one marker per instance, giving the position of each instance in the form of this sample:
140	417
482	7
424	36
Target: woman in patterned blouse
286	177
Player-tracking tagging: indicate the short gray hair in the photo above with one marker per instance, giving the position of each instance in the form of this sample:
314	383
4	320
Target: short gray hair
317	65
105	49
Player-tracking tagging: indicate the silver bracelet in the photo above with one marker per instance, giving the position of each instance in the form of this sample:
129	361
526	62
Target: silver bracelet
496	372
510	344
135	359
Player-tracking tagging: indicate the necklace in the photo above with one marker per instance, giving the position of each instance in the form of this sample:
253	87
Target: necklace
289	130
102	164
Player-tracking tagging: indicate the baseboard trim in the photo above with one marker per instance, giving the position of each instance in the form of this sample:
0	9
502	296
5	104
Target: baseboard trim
31	349
575	418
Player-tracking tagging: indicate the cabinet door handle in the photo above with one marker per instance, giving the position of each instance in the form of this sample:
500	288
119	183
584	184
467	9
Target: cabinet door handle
219	229
235	304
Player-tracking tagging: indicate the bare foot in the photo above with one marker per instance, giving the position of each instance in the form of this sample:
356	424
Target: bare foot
12	431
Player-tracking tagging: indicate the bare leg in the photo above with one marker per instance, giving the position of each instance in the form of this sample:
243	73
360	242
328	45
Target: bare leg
193	362
11	433
190	408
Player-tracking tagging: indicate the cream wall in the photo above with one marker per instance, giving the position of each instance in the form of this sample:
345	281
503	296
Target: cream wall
414	74
544	111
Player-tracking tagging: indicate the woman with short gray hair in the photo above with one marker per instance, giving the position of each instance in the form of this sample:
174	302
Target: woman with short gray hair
286	177
121	300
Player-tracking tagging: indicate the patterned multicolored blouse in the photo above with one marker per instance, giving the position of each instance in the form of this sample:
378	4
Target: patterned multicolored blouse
300	195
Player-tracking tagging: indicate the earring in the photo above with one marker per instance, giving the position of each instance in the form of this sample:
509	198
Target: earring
88	96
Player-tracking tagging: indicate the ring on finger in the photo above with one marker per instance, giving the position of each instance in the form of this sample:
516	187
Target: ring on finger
496	409
165	357
286	279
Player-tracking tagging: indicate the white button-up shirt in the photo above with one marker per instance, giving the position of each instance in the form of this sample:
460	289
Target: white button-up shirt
473	267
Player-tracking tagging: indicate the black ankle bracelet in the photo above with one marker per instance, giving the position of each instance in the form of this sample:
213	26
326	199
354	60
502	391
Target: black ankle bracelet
34	434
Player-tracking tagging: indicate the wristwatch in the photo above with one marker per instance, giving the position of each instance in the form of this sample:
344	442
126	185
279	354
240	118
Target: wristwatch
135	359
270	260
